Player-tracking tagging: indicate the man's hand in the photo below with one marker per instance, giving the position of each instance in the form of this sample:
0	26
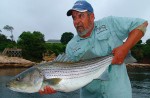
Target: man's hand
47	90
120	54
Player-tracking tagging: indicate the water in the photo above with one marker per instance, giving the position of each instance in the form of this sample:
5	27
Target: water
6	74
140	81
6	93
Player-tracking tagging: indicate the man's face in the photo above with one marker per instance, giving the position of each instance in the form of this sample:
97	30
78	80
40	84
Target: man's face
83	21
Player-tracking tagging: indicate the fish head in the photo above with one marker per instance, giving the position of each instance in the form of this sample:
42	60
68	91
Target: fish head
29	81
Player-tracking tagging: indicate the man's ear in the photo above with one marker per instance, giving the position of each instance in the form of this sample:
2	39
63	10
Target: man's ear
92	16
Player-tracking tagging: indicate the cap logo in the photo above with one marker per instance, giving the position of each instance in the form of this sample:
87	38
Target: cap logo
81	6
78	4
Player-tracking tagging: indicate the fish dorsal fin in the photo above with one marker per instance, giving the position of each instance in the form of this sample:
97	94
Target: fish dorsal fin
63	58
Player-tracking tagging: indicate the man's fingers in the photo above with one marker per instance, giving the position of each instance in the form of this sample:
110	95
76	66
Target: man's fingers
50	90
41	92
47	90
116	60
113	61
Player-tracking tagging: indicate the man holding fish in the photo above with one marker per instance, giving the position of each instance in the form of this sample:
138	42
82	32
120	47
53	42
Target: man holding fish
102	78
101	38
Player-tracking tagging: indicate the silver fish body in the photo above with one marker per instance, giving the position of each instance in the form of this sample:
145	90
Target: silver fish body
61	76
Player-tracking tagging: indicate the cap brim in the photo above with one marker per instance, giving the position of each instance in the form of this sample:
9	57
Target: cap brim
69	13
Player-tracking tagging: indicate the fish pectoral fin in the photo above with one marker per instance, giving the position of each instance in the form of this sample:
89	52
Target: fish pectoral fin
53	81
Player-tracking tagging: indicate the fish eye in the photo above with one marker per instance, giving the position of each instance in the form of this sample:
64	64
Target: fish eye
17	79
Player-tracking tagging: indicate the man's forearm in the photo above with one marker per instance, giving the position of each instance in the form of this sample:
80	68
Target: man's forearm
134	36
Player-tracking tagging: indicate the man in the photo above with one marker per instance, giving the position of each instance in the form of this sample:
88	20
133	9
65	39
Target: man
101	38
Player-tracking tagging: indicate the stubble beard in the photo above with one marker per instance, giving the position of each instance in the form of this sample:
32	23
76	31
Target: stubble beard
85	31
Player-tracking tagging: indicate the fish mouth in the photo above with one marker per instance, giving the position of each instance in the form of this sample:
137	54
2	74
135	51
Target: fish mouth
11	87
7	85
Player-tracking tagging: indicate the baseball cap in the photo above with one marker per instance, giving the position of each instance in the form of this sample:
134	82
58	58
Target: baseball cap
81	6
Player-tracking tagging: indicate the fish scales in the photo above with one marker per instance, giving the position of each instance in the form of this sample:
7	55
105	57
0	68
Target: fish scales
61	76
79	65
69	73
74	71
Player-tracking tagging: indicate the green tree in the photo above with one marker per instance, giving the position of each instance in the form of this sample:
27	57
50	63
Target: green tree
146	49
139	42
137	51
148	42
3	38
9	28
56	48
3	41
6	43
32	45
66	37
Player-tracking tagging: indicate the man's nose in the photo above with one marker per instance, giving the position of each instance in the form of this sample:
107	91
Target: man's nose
77	21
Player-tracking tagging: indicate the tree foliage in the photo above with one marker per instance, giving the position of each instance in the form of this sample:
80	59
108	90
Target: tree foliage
146	49
66	37
9	28
32	45
6	43
148	42
141	51
3	38
56	48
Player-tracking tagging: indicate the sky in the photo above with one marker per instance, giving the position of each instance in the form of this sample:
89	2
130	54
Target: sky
49	16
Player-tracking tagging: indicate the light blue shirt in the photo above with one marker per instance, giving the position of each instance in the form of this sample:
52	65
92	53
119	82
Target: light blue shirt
108	33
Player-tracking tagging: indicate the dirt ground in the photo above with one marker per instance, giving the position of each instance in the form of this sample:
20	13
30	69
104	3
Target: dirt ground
14	62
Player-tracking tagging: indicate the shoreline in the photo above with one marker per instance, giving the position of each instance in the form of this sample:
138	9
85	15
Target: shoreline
6	61
138	65
17	62
9	65
27	65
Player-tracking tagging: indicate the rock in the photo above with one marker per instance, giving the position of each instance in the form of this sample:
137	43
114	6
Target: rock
15	62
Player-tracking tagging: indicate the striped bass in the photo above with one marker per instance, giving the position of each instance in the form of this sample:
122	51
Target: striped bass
61	76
